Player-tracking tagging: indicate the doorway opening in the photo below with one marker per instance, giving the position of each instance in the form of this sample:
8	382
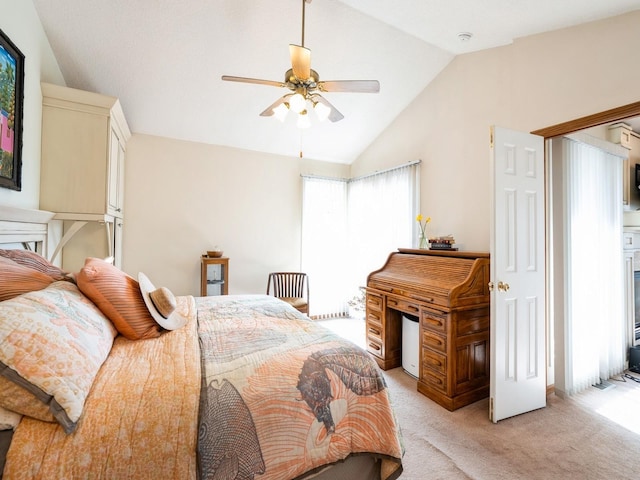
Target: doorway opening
625	113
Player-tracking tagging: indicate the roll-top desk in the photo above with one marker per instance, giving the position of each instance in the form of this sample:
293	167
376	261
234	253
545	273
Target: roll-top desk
449	292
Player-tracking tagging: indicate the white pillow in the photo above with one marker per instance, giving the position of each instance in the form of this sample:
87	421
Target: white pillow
52	343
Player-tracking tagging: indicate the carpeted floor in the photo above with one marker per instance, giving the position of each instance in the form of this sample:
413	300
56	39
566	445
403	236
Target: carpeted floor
593	435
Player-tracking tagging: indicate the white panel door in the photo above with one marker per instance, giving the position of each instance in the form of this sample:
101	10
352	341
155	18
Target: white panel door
518	375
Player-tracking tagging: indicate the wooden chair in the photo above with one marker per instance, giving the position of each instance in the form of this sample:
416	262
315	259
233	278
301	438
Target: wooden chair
292	287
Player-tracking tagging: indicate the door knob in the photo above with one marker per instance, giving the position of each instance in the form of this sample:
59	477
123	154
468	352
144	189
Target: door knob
490	285
503	287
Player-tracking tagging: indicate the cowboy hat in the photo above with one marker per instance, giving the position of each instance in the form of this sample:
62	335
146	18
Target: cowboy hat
161	304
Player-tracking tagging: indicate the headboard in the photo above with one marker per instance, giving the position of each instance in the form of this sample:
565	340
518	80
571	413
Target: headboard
25	226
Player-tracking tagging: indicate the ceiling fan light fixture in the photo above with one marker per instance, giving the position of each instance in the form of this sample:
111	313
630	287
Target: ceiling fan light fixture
305	85
297	103
280	112
303	120
322	111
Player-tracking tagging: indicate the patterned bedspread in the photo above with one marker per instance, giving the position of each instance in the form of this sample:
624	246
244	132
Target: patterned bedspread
283	397
278	397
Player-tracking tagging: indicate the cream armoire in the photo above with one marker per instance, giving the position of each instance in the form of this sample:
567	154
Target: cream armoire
84	138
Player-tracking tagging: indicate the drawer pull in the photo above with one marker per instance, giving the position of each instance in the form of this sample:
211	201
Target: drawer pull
422	299
384	289
413	308
374	346
391	301
374	318
374	331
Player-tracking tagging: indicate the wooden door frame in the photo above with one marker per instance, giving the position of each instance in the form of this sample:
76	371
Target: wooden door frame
608	116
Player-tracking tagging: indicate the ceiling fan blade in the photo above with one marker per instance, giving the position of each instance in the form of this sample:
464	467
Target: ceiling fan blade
258	81
334	115
300	61
268	112
360	86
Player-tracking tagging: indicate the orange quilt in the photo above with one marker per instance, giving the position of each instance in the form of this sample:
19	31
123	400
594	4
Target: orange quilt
138	420
248	389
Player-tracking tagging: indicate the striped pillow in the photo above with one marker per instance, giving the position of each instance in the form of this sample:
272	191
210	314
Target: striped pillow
35	261
17	279
118	296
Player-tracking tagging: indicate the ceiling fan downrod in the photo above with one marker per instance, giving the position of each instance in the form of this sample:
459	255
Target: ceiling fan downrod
303	15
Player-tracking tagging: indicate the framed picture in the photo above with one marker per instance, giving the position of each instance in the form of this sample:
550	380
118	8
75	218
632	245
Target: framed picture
11	103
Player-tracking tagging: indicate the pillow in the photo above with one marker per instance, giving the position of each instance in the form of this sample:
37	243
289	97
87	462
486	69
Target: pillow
17	399
118	296
9	420
35	261
17	279
52	344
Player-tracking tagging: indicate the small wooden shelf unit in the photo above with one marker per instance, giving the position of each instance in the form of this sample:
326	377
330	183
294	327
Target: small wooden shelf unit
448	291
214	276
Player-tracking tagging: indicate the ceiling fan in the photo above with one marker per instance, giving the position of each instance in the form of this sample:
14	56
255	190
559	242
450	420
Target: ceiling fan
305	85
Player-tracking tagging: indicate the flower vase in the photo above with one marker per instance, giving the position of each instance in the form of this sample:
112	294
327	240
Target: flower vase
423	242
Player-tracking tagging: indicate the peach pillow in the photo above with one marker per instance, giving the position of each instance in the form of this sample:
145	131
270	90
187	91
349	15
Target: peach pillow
17	279
54	342
18	399
35	261
118	296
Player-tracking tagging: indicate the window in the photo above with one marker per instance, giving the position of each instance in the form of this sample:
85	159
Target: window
349	227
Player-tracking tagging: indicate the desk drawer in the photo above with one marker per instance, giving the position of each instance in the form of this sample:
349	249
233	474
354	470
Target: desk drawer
434	360
434	379
374	317
374	331
403	306
374	347
375	301
434	320
434	341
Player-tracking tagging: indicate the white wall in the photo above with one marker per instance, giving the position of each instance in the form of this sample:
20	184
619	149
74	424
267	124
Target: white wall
183	198
536	82
20	22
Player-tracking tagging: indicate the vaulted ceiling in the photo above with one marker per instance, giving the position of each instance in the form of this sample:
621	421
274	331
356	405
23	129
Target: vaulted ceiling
164	59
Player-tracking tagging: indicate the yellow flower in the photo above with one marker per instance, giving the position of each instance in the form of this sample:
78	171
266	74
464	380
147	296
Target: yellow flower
423	225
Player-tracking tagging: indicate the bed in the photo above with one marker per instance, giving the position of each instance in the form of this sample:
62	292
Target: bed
245	387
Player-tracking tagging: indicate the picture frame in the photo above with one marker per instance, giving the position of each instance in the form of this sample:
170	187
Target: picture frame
11	111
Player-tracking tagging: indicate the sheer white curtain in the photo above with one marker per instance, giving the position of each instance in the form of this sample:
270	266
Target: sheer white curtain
324	239
349	227
382	212
594	287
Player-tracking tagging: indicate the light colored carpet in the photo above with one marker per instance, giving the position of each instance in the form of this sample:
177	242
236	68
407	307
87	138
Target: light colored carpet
593	435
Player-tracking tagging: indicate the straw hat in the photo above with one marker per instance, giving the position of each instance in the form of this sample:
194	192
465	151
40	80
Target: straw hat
161	304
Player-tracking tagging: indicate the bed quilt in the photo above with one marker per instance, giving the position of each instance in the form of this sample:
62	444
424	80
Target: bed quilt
283	397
